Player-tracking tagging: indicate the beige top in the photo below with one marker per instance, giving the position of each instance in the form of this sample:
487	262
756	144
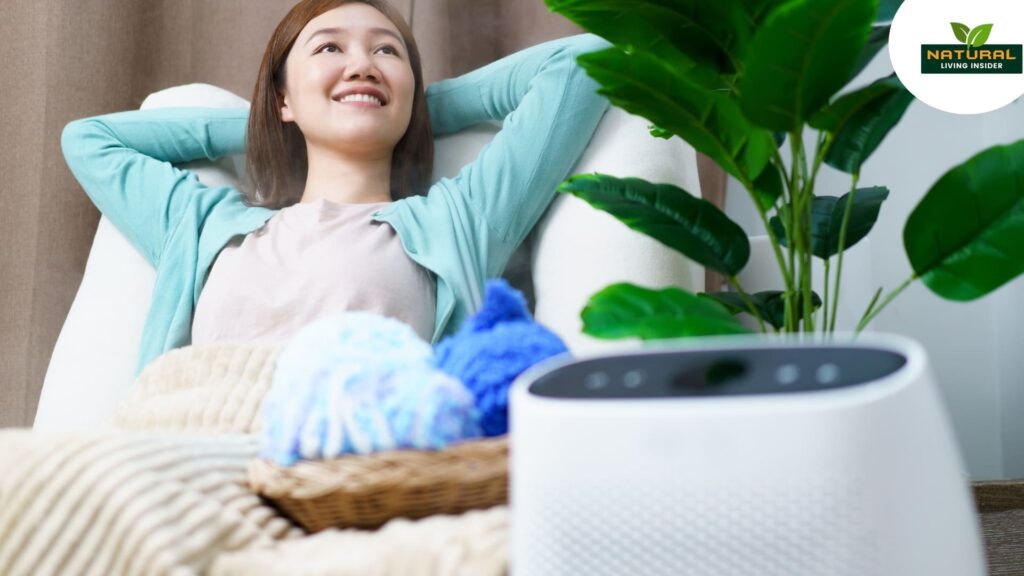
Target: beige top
310	260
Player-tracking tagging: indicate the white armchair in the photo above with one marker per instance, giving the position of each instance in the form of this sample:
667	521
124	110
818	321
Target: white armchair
575	251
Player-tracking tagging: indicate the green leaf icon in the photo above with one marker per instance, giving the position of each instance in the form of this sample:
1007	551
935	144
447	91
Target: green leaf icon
960	31
979	35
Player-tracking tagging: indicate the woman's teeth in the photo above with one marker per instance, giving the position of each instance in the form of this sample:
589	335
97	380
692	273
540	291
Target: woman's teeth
361	98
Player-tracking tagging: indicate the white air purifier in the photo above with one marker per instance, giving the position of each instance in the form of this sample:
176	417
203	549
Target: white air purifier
729	457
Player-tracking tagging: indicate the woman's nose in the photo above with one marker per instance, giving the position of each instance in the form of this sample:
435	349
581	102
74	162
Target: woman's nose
360	65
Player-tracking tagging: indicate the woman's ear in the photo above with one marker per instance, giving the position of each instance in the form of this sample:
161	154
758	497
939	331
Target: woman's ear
286	108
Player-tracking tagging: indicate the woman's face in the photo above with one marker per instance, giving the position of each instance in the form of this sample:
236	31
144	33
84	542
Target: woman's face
339	51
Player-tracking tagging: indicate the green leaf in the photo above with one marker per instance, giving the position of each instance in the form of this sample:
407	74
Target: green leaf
759	9
710	122
860	120
804	53
755	12
979	35
626	310
768	187
770	304
778	229
960	31
966	236
659	132
670	215
826	220
887	10
878	38
706	32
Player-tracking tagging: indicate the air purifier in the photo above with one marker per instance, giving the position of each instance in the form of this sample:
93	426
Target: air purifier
739	456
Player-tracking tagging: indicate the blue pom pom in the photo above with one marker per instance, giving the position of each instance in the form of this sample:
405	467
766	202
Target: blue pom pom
502	303
492	349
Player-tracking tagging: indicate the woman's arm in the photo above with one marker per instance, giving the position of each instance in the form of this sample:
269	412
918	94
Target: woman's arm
550	109
123	161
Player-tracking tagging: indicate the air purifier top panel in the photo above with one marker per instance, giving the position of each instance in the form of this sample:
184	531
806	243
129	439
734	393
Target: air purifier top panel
755	370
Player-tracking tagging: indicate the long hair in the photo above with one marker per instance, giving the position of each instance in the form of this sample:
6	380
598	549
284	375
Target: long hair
276	159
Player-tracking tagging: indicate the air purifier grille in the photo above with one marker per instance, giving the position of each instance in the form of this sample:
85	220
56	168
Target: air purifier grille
815	529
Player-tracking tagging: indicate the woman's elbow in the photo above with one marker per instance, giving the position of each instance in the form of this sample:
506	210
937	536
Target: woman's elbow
584	43
83	139
73	138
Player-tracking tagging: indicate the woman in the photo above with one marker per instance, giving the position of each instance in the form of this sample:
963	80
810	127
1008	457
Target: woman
342	214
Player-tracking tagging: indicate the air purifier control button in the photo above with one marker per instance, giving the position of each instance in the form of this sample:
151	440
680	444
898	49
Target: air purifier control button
787	374
827	373
633	378
596	381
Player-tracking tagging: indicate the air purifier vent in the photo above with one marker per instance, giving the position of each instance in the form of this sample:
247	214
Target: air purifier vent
807	530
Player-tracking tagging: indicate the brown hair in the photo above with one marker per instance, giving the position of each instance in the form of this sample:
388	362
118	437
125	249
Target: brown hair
276	160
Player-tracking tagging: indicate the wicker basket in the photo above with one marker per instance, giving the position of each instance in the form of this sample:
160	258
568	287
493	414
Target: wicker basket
365	491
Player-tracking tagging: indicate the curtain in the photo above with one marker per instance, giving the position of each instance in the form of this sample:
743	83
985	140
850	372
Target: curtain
69	59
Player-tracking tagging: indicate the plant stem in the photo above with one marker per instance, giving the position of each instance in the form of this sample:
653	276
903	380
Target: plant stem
802	188
868	317
871	305
789	296
788	272
842	247
824	302
824	141
735	283
779	258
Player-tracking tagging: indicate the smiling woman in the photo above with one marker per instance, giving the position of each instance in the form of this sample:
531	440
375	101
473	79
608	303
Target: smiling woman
303	140
344	213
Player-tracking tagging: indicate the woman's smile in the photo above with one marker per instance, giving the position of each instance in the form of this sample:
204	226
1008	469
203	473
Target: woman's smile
359	102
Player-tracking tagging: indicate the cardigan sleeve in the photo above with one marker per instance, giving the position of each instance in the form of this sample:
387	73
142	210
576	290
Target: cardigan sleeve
550	109
123	161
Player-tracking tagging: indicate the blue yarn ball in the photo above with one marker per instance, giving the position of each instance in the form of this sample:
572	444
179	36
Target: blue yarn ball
492	349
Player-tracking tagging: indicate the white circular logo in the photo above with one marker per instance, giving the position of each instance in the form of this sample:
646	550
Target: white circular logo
960	57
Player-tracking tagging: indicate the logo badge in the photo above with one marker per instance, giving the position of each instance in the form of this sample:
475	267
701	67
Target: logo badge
972	56
979	73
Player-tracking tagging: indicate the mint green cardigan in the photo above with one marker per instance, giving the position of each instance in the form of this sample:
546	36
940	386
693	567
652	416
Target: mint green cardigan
464	230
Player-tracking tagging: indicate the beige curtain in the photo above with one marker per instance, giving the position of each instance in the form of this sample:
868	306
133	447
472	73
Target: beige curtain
68	59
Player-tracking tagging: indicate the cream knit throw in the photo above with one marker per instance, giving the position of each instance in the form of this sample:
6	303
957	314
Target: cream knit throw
126	503
471	544
213	388
166	492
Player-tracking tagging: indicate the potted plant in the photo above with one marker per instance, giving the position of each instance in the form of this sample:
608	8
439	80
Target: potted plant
739	80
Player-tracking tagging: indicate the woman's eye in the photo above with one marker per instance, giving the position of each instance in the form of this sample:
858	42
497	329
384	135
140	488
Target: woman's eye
337	49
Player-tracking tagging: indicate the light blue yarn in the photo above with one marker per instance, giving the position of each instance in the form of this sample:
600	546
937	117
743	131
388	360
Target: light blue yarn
358	382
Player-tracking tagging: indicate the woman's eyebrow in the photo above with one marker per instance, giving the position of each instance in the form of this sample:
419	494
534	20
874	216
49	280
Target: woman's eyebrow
375	31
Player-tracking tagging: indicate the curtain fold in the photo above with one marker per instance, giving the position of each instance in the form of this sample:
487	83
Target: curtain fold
65	60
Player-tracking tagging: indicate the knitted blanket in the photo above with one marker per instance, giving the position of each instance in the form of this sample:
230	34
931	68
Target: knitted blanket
165	492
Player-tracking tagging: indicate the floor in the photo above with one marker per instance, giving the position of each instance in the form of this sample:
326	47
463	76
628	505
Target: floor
1001	505
1004	542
